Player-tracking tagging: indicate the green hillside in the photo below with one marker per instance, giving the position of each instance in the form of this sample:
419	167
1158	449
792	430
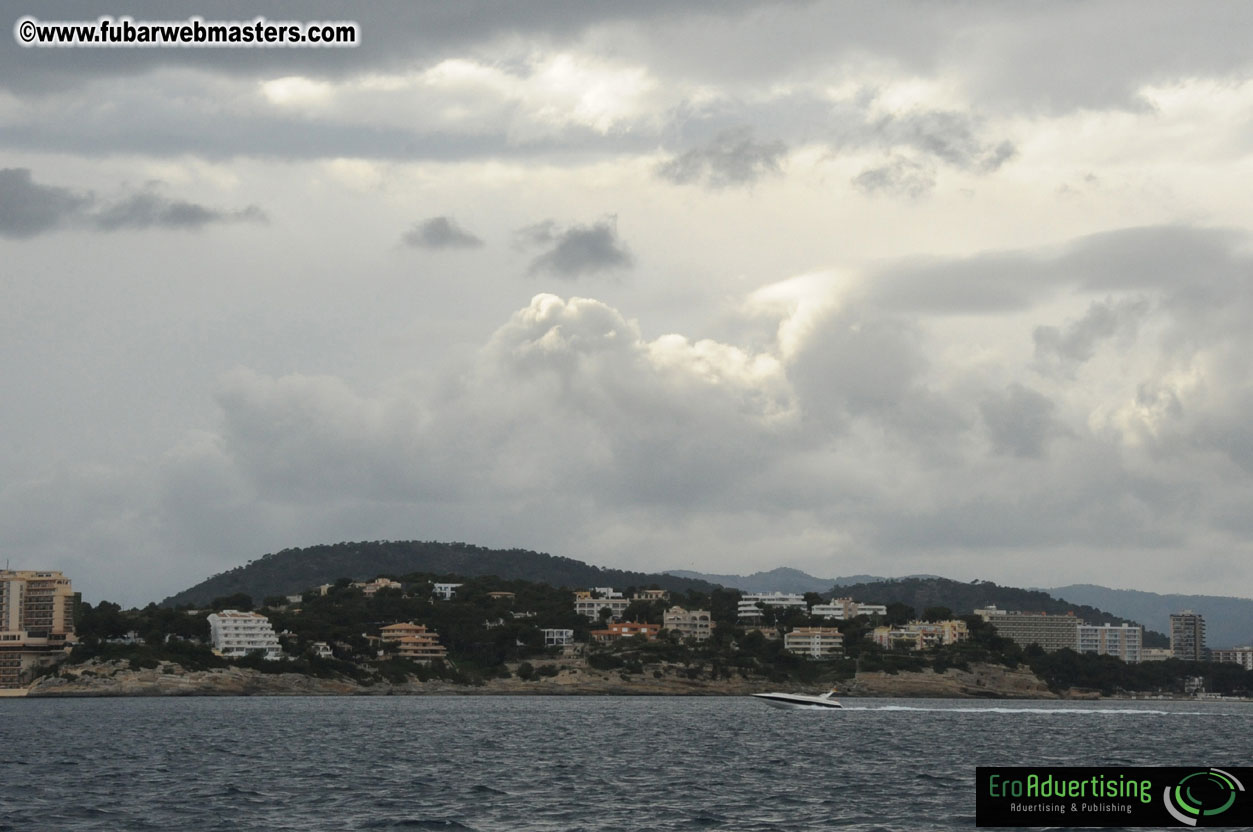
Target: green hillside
293	570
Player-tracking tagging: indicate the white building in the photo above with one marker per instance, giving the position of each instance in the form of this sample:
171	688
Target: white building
236	634
1124	641
815	642
589	602
844	609
554	637
750	612
1242	656
444	592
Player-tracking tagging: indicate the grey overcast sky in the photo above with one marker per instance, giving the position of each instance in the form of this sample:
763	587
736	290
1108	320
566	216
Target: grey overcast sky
955	288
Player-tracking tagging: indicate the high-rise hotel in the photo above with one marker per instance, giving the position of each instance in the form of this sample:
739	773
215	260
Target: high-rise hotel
1187	636
36	621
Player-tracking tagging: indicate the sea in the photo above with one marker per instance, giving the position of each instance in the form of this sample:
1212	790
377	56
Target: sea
559	763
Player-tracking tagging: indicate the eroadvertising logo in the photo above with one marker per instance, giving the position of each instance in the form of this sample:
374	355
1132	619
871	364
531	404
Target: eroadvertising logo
1202	795
1126	796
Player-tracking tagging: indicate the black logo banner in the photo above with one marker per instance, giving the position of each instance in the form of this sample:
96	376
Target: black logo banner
1128	796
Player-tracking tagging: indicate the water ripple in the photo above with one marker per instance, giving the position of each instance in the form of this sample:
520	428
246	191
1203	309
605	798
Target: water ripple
555	764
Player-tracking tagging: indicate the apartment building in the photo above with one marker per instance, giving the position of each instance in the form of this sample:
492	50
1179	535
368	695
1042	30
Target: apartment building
844	609
414	642
815	642
1051	632
1125	641
920	635
695	624
589	602
749	611
1187	636
36	622
236	634
1242	656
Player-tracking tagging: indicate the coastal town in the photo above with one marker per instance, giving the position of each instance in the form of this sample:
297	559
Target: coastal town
528	632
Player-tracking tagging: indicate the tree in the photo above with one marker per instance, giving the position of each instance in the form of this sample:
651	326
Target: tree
899	613
241	601
937	614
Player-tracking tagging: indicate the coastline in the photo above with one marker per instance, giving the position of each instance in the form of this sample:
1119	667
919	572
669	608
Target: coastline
113	679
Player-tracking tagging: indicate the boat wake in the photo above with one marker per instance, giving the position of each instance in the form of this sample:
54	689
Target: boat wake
1003	710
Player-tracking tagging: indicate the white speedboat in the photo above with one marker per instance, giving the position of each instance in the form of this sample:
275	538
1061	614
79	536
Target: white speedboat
795	701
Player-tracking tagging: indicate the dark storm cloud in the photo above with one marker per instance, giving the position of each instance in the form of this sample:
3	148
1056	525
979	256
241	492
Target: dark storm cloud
151	210
28	209
732	158
440	233
579	250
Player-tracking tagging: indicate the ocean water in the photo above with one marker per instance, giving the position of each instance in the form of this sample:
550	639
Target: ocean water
548	763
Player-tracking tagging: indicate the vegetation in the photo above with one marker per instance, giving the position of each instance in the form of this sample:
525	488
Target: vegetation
488	636
293	570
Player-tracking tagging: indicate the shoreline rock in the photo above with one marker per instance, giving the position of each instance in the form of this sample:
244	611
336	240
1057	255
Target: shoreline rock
98	679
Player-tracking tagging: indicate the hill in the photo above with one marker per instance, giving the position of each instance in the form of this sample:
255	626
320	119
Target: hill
294	570
964	598
782	579
1228	621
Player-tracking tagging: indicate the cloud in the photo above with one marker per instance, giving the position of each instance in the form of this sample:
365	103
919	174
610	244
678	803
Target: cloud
1020	421
867	426
440	233
577	251
151	210
900	177
28	209
1063	349
732	158
951	137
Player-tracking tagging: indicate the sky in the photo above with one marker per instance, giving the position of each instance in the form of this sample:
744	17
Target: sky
894	288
